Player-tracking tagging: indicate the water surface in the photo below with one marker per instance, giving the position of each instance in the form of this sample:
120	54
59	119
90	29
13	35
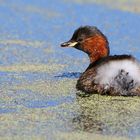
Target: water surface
38	96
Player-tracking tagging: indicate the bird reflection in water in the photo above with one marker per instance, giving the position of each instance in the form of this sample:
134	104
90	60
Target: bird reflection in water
107	115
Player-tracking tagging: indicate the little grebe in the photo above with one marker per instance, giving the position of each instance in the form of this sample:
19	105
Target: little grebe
106	75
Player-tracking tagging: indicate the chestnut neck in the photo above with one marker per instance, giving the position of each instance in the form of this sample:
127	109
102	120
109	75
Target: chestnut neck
96	47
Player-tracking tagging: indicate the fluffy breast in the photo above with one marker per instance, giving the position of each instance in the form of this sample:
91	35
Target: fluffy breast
118	71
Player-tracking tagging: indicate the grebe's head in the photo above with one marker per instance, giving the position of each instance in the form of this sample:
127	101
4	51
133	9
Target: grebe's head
90	40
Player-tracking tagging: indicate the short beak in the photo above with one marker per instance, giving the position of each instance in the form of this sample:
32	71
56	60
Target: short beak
69	44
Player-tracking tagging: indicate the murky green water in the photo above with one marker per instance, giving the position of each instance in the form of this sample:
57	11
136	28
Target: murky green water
37	85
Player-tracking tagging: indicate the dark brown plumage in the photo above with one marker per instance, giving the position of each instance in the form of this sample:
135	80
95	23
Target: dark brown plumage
106	75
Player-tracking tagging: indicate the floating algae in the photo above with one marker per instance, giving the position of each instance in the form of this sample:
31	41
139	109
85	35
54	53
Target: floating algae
126	5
